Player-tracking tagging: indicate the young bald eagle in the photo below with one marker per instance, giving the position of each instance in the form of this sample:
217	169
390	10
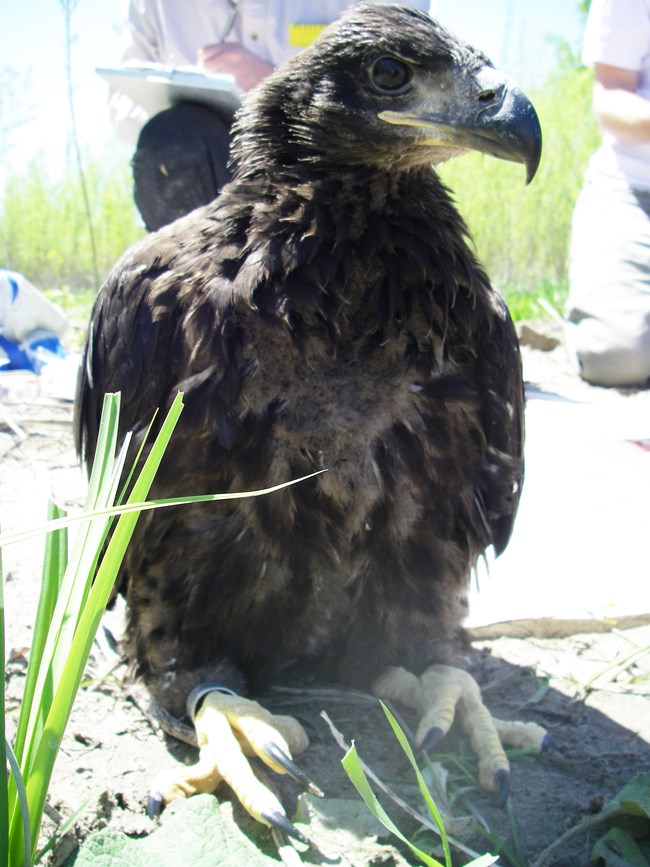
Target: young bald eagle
325	312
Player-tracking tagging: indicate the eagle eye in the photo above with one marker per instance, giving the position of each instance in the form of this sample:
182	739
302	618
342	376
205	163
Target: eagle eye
389	74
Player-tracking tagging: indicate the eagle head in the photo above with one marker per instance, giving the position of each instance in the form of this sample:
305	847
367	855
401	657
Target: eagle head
389	88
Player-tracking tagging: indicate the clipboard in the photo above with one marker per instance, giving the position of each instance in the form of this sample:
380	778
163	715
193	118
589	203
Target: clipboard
156	87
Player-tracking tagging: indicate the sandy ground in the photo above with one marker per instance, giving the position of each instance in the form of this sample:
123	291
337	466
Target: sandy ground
570	650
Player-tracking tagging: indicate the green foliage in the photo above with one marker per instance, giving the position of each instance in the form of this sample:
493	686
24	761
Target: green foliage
354	770
193	832
618	848
522	234
74	593
43	226
627	843
202	832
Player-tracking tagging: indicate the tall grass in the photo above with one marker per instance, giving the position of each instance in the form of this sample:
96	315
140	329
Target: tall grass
43	223
73	596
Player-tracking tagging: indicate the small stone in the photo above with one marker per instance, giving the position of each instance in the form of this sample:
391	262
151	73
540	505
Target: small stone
539	335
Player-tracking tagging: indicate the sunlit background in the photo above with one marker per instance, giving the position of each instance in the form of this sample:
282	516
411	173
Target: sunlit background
520	36
67	212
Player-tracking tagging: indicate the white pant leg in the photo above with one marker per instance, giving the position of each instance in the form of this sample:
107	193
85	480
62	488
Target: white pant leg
608	309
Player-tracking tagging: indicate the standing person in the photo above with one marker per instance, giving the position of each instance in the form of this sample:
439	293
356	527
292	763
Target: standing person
181	155
608	309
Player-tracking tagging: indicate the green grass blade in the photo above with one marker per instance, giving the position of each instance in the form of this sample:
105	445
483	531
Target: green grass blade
110	511
355	772
54	563
72	590
63	620
22	800
4	795
136	461
483	860
74	585
428	800
48	744
102	487
105	449
65	827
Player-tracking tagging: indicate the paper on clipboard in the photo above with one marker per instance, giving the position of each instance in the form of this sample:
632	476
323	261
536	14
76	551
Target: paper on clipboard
156	87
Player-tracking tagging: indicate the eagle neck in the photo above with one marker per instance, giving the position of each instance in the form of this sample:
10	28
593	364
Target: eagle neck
356	252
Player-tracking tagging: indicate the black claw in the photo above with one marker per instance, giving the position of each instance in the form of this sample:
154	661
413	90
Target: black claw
548	743
279	821
279	756
155	805
502	780
432	738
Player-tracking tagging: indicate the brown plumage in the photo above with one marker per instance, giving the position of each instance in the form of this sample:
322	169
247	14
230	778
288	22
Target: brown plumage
325	312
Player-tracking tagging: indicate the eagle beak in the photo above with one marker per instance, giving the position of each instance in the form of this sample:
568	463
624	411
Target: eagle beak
489	114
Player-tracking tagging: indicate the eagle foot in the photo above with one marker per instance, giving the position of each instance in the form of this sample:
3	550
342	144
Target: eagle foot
229	728
442	693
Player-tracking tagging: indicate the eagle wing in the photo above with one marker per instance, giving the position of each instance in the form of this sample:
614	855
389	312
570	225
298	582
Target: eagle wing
152	333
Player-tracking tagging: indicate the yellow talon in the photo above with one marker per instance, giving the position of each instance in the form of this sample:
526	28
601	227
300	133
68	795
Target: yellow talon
181	782
443	693
229	728
521	735
254	726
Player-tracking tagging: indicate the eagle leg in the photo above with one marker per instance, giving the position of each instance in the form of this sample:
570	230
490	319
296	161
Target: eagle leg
229	728
442	693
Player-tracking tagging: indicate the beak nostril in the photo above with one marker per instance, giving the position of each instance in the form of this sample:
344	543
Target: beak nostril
487	96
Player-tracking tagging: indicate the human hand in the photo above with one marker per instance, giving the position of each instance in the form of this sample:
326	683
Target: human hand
233	59
620	110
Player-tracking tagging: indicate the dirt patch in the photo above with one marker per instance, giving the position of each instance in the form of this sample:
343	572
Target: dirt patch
596	713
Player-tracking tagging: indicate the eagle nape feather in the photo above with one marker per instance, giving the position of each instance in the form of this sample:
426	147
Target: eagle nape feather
325	312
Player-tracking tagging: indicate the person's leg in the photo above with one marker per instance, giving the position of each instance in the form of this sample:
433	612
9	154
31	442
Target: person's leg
180	162
608	309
